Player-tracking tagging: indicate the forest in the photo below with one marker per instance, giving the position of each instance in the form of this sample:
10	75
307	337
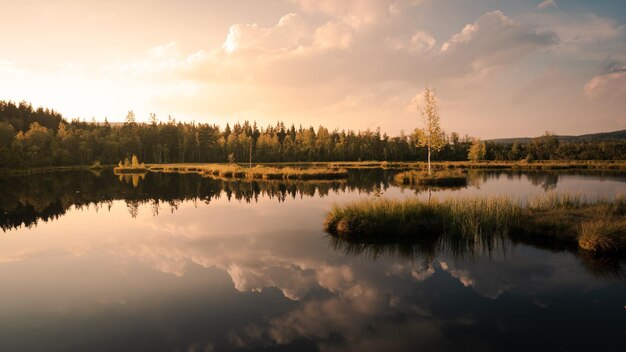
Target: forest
38	137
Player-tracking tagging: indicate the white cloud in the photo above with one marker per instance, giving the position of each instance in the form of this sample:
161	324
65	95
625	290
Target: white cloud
423	41
297	52
546	4
610	86
357	13
288	34
334	34
495	39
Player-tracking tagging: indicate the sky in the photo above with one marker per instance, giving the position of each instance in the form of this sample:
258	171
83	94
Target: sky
500	68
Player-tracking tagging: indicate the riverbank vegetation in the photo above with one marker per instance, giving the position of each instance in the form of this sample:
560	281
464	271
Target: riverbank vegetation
40	137
594	226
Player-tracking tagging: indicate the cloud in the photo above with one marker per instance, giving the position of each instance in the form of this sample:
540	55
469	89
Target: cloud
297	52
581	36
495	39
492	277
609	86
16	257
546	4
330	70
358	13
287	35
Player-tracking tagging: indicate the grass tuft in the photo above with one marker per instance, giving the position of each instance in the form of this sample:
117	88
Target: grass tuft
600	235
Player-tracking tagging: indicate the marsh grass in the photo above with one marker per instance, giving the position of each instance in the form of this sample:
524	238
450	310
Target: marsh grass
467	217
234	171
565	218
446	178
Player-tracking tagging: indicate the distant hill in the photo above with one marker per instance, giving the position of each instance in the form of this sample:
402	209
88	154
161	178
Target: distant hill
593	137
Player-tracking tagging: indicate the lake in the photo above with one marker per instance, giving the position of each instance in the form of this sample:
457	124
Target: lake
169	262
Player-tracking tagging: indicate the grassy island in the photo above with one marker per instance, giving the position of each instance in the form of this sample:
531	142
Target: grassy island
130	167
594	226
234	171
447	178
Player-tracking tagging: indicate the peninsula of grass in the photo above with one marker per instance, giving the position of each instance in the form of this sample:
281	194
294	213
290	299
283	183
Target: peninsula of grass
597	227
514	165
446	178
259	172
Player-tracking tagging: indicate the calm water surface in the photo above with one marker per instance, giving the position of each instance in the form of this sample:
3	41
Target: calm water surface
185	263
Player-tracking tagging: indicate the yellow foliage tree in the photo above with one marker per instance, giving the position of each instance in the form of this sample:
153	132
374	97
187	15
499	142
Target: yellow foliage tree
477	151
431	136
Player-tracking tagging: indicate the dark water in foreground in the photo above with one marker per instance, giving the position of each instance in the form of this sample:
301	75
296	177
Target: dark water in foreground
184	263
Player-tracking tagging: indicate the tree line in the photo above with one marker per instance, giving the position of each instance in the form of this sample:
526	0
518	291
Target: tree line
32	137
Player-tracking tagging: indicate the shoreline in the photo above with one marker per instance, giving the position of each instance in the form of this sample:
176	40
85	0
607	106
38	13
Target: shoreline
619	165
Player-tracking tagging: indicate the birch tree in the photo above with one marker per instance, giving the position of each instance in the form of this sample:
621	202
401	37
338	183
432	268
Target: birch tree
431	136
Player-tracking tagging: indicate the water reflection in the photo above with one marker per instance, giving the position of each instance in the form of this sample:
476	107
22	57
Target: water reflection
207	264
25	200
